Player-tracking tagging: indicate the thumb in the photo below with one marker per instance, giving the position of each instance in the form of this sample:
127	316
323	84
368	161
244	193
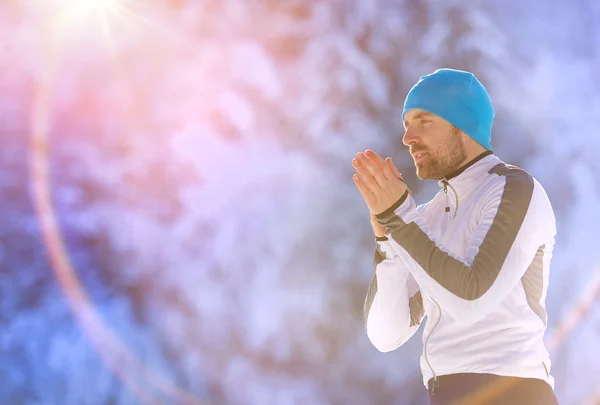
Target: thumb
393	168
395	171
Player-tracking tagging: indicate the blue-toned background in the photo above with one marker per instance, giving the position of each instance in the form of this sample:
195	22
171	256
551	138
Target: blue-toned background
178	222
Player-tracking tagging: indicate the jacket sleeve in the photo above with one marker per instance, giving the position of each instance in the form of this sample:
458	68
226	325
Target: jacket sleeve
515	220
393	308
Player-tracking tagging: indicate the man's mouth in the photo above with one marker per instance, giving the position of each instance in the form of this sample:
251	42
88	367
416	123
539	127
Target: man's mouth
419	156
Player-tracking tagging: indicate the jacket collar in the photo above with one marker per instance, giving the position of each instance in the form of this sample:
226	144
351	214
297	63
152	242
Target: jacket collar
460	170
463	180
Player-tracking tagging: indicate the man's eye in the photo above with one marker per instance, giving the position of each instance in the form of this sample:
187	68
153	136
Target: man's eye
425	121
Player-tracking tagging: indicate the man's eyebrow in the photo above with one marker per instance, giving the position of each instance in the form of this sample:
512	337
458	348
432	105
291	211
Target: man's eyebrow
420	115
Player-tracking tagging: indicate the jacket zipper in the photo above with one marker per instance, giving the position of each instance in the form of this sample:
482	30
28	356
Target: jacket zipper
446	184
446	192
435	379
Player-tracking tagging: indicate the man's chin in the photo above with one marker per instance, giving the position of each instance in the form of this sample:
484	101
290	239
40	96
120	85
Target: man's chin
423	177
424	173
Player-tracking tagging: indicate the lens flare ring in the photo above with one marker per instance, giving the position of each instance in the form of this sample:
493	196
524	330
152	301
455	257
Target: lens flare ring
137	376
119	359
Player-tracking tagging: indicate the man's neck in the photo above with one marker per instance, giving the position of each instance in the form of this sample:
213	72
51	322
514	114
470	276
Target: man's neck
468	163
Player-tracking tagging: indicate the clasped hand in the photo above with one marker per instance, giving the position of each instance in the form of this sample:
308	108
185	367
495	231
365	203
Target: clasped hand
378	180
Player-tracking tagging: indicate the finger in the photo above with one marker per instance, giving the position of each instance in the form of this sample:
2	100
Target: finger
378	160
373	169
366	174
364	190
393	168
396	172
373	157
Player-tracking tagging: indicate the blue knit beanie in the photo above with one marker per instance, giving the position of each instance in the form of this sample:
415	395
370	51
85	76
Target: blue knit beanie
459	98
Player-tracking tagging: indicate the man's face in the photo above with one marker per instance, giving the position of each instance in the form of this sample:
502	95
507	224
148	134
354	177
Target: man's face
436	146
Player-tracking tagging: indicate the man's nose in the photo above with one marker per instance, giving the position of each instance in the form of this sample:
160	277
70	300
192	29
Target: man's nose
409	137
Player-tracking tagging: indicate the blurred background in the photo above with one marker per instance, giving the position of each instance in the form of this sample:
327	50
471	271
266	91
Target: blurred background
178	222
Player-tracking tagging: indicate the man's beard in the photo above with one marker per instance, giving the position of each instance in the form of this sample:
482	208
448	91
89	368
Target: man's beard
448	159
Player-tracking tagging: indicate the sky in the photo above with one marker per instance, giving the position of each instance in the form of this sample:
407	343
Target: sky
179	224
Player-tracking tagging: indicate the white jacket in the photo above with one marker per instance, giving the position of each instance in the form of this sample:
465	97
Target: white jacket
479	271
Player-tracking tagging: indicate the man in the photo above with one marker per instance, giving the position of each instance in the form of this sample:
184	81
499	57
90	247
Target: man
475	259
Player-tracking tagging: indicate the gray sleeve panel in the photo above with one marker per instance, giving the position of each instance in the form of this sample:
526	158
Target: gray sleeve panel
417	312
533	284
415	302
471	282
370	297
378	257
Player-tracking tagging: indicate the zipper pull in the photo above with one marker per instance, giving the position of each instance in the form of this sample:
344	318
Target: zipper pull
446	192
